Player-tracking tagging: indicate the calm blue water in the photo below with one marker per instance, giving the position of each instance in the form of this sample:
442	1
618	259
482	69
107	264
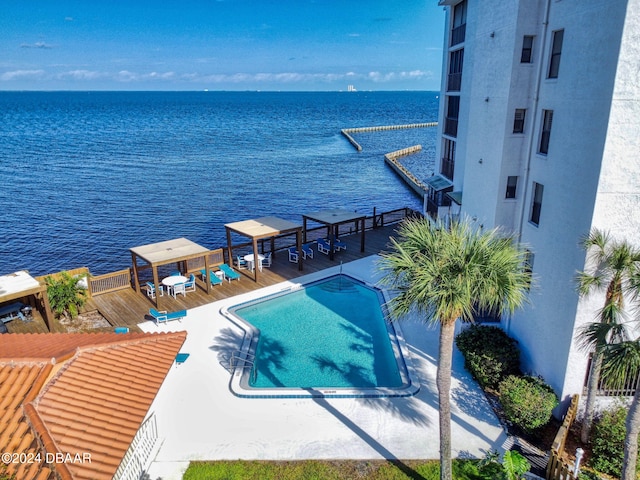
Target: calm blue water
331	334
86	176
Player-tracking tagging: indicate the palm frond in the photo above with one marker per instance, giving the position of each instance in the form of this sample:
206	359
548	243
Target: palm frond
621	360
446	273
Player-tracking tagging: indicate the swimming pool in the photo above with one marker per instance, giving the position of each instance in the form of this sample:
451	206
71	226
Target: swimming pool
328	338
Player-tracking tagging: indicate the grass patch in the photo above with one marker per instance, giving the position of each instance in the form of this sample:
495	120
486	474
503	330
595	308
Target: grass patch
329	470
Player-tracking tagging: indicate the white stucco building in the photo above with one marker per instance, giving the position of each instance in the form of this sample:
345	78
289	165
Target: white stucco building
540	132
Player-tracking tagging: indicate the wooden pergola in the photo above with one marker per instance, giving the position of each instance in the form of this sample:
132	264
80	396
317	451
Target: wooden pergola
19	285
264	227
333	218
163	253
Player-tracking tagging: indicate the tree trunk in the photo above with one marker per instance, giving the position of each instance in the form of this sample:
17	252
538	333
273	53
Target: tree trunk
631	440
443	382
592	390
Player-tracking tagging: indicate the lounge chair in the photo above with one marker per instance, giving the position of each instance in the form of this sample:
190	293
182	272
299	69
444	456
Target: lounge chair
307	251
213	278
151	290
164	316
190	286
294	256
323	246
229	273
266	261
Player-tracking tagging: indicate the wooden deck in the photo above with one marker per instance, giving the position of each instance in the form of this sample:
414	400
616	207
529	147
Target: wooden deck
128	308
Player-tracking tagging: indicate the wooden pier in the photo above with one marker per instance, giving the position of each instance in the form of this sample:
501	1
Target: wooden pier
126	307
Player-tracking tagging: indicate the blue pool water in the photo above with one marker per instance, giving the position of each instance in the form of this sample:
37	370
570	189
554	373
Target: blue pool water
332	334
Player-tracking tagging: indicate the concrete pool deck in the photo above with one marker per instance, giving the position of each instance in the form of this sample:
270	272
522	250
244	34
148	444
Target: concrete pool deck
198	417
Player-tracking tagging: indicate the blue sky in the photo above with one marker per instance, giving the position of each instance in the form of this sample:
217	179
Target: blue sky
220	45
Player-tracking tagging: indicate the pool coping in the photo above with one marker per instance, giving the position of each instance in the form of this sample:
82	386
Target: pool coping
242	358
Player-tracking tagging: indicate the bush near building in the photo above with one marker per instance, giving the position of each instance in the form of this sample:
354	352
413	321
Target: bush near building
527	401
607	441
489	353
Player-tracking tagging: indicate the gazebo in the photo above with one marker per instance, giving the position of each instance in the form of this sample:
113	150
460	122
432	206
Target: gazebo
19	285
264	227
163	253
333	218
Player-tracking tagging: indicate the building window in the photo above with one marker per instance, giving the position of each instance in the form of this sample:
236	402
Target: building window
458	28
536	203
528	266
512	185
556	52
547	120
451	120
448	158
454	79
527	49
518	120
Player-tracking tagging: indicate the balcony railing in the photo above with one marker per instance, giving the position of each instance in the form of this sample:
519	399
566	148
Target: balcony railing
458	34
447	167
451	126
454	81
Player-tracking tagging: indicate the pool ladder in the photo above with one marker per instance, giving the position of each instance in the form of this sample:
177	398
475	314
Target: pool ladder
248	360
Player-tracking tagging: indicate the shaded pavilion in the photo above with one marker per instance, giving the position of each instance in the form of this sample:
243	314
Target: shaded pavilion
333	218
162	253
264	227
19	285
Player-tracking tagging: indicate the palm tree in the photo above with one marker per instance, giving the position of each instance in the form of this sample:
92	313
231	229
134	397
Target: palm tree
66	296
448	274
612	265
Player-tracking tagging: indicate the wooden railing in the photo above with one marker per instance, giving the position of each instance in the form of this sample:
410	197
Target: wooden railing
76	272
216	257
557	468
377	220
110	282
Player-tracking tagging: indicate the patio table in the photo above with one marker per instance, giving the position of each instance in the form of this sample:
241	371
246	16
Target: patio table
171	281
250	259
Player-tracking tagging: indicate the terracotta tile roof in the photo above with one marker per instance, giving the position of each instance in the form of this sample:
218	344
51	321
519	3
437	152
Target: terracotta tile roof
93	405
59	346
15	435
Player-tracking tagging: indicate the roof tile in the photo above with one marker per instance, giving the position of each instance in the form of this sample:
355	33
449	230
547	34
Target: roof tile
95	403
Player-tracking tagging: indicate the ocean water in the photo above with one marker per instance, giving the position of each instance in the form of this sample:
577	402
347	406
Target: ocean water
87	175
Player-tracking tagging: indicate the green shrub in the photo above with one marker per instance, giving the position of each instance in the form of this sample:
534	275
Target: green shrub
607	441
527	401
489	354
65	295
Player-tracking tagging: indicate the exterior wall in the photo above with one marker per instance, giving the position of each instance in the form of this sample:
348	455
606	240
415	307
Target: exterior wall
617	203
589	172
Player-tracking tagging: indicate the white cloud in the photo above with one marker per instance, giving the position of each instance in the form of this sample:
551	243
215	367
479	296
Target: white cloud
251	80
81	75
36	45
21	75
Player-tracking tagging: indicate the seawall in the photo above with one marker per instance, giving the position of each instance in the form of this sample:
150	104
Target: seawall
391	159
348	131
